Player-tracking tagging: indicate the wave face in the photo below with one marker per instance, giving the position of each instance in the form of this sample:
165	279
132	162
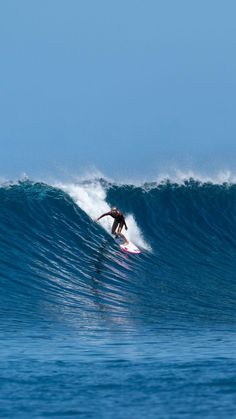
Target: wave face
56	263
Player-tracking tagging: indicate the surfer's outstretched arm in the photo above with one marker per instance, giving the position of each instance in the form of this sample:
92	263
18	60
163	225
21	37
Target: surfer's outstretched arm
103	215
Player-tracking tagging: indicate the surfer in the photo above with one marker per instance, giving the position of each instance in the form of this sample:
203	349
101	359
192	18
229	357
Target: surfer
119	223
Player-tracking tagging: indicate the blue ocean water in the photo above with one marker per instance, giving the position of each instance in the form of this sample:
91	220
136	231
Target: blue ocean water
89	331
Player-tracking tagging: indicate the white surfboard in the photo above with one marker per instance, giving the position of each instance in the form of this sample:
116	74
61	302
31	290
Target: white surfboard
130	248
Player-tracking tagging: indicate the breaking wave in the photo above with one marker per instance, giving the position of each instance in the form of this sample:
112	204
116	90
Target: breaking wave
56	261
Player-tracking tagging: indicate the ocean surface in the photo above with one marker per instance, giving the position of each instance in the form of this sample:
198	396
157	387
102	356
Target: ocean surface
88	331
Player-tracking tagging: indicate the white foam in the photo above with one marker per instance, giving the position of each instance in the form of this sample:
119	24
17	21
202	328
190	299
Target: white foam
174	175
180	176
91	198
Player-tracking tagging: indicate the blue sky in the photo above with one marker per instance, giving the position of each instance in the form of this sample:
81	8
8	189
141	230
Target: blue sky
130	87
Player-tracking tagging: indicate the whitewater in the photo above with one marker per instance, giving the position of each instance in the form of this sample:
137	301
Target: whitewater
88	331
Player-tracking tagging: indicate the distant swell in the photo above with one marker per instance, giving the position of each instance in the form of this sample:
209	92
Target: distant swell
55	260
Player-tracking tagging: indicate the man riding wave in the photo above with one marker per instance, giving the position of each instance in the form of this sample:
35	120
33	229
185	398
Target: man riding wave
118	224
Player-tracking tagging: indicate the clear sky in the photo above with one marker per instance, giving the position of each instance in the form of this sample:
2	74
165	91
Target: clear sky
131	87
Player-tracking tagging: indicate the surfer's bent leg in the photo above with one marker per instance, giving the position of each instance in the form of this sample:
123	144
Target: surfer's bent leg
121	225
114	227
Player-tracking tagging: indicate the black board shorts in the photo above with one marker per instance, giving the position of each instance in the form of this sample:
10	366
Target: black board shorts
118	222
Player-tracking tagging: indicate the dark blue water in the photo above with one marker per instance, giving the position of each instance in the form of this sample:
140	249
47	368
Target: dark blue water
88	331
